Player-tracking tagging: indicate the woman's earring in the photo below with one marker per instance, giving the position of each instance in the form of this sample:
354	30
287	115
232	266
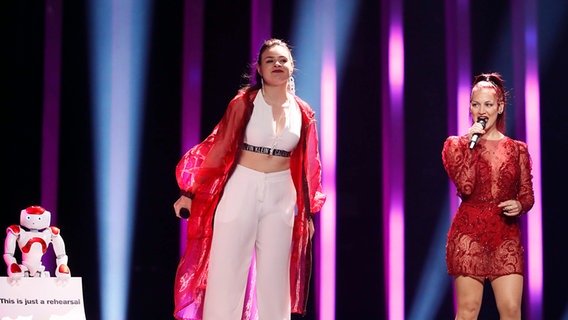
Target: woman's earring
291	85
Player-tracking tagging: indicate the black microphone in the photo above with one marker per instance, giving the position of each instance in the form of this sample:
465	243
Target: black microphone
475	136
184	213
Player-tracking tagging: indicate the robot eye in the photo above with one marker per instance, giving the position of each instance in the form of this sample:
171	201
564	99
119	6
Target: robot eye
28	218
39	218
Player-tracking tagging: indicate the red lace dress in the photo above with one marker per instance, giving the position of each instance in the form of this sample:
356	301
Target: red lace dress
483	242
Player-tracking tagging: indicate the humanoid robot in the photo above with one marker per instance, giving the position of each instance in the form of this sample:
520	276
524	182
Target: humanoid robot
33	236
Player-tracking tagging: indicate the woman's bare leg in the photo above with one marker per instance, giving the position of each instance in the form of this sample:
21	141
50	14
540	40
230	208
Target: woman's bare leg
469	292
508	291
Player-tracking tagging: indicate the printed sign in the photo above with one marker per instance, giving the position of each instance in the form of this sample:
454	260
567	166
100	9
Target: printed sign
48	298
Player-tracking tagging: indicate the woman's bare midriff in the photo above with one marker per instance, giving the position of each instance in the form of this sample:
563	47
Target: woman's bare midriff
262	162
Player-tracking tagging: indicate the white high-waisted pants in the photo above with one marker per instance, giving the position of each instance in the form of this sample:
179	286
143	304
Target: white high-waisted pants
256	212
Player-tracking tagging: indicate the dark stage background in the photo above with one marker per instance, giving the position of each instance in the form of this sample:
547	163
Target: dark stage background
360	265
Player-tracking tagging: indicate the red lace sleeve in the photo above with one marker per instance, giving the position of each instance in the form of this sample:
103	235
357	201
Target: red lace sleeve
526	192
459	162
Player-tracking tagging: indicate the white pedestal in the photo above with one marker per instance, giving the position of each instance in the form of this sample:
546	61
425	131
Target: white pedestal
41	299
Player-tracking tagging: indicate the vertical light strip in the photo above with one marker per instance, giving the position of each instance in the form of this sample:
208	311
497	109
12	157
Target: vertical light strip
459	77
118	59
337	28
261	29
308	54
51	112
532	123
431	289
192	70
307	51
51	106
458	66
327	226
393	161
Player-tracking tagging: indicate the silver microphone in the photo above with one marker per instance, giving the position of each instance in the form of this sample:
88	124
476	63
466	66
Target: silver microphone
475	136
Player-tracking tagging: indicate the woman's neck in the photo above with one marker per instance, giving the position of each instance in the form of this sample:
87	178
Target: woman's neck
274	96
493	134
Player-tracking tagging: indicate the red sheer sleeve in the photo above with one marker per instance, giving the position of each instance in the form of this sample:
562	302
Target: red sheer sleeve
313	170
526	192
201	169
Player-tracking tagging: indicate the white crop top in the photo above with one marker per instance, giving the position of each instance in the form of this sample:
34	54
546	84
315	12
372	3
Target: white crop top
261	129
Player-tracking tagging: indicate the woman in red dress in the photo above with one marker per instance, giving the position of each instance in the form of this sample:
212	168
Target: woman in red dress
492	174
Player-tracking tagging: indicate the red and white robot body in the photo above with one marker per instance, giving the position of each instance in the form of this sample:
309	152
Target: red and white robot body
33	236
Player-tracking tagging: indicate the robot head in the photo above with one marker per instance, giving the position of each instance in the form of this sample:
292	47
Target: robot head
35	217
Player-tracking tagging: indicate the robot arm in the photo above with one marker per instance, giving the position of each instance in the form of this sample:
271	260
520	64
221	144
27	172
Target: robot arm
61	270
14	270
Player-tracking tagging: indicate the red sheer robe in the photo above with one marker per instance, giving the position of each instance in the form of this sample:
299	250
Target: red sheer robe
483	242
204	170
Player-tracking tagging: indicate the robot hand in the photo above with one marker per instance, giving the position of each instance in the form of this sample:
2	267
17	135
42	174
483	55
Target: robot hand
14	270
62	271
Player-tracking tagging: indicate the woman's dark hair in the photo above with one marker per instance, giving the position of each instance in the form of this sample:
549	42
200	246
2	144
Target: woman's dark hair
257	84
495	81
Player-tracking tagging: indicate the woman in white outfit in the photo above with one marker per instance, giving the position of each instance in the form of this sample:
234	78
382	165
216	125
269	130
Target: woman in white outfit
252	187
